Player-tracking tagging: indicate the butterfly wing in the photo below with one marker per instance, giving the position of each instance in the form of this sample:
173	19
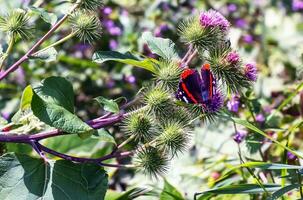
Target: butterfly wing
189	90
207	83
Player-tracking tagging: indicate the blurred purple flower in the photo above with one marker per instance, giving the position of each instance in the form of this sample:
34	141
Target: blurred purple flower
250	71
233	104
20	76
115	31
216	103
113	44
297	5
232	7
110	83
291	156
160	29
107	10
239	136
109	23
5	115
233	58
248	38
260	118
212	18
241	23
165	6
130	79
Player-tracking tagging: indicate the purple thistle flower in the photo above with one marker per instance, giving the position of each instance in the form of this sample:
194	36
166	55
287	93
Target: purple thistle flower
130	79
241	23
260	118
248	39
113	44
233	57
239	136
291	156
250	71
107	10
233	104
297	5
232	7
213	19
216	102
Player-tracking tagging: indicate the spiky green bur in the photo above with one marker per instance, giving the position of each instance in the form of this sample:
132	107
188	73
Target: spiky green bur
158	100
86	25
141	125
174	137
231	74
204	38
16	24
152	161
168	74
90	5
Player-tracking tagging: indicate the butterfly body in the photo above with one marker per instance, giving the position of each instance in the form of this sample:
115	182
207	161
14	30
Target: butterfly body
195	88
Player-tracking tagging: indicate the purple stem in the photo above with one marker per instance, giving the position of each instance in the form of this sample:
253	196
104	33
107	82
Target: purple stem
31	51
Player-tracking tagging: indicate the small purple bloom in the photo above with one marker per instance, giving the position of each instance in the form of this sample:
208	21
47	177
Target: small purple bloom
233	58
232	7
260	118
297	5
5	115
212	19
109	23
239	136
113	44
216	102
241	23
250	71
248	39
233	104
110	83
107	10
159	30
291	156
115	31
130	79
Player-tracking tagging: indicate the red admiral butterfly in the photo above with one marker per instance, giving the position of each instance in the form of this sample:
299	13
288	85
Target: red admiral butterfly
195	88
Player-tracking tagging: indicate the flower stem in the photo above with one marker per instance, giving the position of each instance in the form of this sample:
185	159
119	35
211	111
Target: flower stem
8	51
190	58
37	44
56	43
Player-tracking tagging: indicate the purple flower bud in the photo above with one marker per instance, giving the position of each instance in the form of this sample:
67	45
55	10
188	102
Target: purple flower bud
241	23
260	118
130	79
113	44
232	7
107	10
233	57
239	136
248	39
291	156
212	19
216	102
233	104
250	71
297	5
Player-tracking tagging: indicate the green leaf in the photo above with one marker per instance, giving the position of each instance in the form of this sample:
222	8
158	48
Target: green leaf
47	55
26	98
244	189
57	116
108	104
127	58
270	166
46	16
162	47
56	90
128	195
23	177
104	135
169	192
279	193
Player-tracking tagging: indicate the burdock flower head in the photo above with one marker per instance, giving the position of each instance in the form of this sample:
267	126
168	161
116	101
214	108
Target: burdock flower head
233	58
213	19
216	102
250	71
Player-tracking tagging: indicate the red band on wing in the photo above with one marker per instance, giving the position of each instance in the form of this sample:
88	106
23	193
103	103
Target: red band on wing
188	93
186	73
206	66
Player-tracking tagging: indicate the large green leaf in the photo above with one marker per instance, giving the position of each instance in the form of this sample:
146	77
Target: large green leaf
169	192
127	58
279	193
162	47
50	18
23	177
57	116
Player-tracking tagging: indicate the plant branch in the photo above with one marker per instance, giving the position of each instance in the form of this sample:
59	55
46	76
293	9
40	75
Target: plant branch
36	45
8	51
